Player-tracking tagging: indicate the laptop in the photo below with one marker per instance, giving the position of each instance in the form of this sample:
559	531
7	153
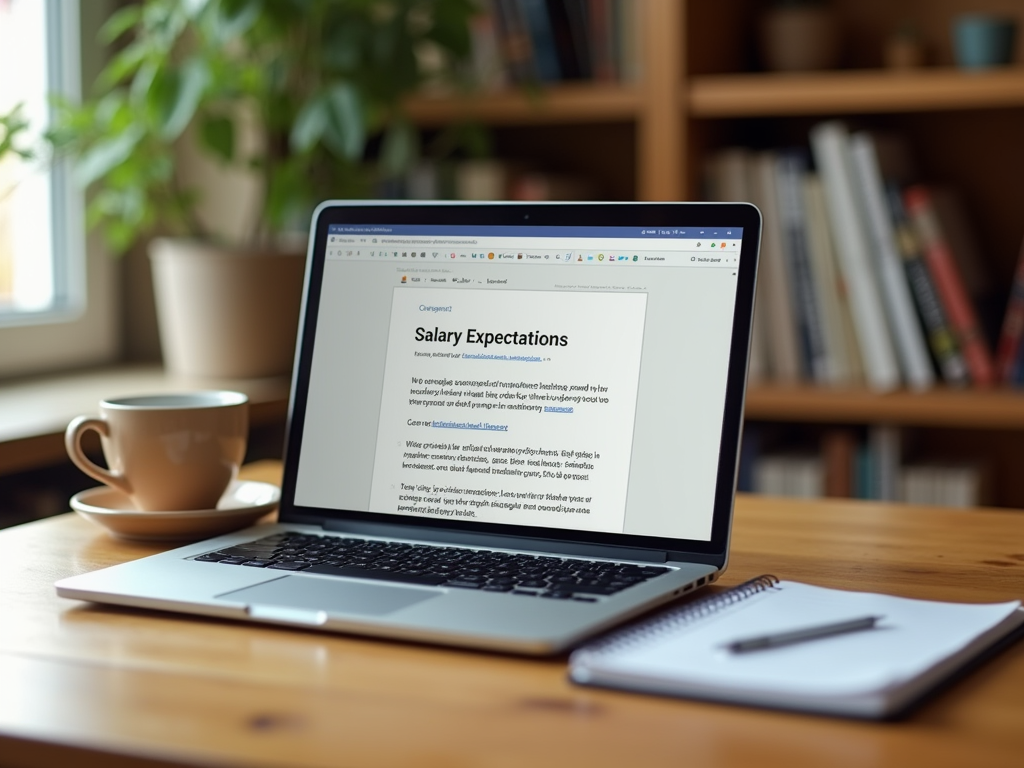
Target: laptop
512	426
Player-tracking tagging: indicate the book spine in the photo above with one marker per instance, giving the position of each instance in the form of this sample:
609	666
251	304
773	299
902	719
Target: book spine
578	16
838	452
778	308
488	66
910	344
940	335
600	16
885	442
950	287
838	326
515	41
1013	325
542	40
830	144
790	169
565	43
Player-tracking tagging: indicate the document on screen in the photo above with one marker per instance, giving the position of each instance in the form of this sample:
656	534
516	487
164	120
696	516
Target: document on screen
509	406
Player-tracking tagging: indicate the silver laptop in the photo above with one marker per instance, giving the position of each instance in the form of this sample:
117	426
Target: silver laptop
512	426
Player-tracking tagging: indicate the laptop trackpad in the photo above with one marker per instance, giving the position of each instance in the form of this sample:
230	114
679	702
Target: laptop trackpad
298	595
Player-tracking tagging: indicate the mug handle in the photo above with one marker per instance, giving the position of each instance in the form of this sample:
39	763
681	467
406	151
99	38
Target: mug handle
73	444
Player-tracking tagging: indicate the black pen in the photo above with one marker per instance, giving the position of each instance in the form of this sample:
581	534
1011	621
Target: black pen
802	635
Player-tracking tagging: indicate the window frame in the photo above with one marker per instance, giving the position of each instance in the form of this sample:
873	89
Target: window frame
84	331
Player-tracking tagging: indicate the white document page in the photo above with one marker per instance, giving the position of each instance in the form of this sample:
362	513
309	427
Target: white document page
510	406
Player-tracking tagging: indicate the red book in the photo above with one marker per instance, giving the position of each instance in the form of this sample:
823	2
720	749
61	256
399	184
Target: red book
1013	325
950	286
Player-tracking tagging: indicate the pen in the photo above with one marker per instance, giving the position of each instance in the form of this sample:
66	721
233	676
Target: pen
802	635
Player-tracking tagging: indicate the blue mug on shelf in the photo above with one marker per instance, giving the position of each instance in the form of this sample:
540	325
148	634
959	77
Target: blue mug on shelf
983	40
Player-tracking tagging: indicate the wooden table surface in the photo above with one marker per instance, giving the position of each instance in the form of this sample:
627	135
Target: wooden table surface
108	686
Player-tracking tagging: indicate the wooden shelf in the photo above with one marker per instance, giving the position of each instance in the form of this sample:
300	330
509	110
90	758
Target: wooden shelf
854	91
997	409
560	104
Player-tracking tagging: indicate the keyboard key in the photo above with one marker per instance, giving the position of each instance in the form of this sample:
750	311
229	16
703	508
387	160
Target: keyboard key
365	573
459	567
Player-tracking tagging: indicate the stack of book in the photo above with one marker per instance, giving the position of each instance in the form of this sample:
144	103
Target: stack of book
519	42
864	278
860	464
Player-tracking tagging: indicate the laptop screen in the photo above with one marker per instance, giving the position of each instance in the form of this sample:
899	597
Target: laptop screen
557	377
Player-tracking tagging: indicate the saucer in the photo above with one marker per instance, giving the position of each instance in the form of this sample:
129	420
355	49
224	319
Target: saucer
244	502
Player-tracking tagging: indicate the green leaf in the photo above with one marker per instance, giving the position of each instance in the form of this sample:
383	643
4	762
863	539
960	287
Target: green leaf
193	8
399	148
119	22
218	135
451	25
236	17
106	155
122	66
309	126
187	86
346	127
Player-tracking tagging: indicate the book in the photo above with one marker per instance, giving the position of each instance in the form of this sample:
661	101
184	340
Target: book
950	286
873	674
838	452
486	63
830	143
940	337
780	328
968	255
542	40
795	475
906	330
1013	325
845	367
727	178
514	41
960	485
790	168
885	451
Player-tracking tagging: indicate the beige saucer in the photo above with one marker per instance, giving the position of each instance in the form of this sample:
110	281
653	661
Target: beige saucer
243	503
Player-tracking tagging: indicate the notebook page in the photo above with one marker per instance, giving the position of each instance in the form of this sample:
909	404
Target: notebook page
913	636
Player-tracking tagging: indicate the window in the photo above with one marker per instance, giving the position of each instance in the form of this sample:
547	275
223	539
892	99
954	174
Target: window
56	302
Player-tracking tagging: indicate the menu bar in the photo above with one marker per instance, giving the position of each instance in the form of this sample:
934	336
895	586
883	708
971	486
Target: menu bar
697	253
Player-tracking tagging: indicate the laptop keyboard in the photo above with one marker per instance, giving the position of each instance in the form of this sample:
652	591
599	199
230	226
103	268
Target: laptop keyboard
437	566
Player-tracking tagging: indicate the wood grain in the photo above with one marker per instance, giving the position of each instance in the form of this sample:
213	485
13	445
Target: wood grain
109	686
853	91
550	105
999	409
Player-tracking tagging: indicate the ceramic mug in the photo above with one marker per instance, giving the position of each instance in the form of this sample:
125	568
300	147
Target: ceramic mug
982	40
167	452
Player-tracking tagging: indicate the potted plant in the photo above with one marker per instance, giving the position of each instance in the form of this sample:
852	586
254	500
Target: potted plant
290	92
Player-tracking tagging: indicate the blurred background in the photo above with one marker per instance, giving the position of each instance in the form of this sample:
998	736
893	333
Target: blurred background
155	151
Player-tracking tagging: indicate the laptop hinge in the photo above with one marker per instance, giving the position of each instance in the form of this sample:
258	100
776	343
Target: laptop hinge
500	542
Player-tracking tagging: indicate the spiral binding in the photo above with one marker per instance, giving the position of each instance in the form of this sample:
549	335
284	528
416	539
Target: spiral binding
676	618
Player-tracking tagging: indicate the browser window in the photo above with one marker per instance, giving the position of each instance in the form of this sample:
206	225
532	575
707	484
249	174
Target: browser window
567	377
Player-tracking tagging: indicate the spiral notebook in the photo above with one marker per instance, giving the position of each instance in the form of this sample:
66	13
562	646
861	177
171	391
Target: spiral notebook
876	673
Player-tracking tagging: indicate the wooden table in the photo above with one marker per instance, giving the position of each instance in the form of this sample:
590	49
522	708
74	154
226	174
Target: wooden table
107	686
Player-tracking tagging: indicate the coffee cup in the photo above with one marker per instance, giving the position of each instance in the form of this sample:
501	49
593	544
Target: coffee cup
167	452
983	40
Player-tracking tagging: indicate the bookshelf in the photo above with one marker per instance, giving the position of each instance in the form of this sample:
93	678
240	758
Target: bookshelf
699	91
852	92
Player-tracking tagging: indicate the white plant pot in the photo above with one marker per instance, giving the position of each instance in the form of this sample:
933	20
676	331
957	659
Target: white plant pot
226	312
